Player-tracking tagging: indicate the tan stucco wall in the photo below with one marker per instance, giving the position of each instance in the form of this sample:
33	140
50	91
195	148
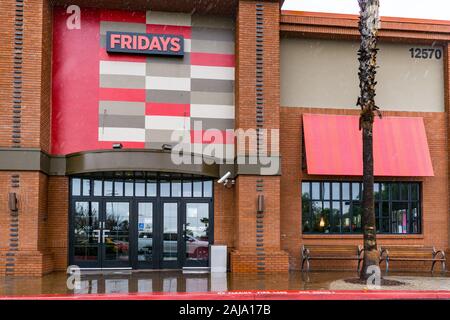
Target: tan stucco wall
324	73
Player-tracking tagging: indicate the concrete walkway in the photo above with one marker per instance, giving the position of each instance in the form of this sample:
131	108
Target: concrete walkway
254	295
411	283
150	285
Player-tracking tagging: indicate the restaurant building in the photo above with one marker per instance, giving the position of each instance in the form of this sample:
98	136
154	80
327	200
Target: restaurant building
91	94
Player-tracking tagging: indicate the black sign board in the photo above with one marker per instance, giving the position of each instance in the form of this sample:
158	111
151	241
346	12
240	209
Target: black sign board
145	43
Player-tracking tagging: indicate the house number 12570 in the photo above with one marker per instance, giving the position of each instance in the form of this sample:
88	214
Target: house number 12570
425	53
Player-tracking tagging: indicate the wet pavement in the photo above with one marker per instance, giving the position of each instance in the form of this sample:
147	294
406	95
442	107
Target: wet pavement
413	283
175	281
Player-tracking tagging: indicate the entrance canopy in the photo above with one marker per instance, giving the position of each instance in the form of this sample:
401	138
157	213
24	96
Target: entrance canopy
333	145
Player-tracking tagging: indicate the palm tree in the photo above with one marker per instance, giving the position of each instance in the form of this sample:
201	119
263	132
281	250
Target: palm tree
369	22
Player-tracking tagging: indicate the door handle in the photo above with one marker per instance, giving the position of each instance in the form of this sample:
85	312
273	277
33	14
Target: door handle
97	235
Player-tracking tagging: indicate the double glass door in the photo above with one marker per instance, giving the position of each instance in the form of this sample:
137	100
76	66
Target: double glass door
101	234
177	234
157	233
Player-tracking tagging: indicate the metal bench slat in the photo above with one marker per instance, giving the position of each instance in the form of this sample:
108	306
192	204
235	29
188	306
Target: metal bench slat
412	253
334	258
333	252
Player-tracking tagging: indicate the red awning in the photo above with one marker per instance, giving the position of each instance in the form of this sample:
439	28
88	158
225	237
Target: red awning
333	146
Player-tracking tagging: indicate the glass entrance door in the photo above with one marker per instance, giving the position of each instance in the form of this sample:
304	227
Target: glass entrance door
196	233
171	235
142	223
146	255
85	226
100	234
115	234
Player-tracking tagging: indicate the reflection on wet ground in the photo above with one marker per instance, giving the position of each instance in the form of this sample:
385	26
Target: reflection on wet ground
173	281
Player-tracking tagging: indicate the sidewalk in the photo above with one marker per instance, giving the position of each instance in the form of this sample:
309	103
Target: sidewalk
411	283
176	285
253	295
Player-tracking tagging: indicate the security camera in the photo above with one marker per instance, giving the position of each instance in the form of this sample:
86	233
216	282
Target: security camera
224	177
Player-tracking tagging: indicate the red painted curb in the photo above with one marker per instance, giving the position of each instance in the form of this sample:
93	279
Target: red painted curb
250	295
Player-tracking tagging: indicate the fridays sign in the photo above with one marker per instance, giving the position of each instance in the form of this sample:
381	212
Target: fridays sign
145	43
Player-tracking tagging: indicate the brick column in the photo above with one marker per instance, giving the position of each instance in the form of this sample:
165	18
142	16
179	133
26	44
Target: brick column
25	123
257	235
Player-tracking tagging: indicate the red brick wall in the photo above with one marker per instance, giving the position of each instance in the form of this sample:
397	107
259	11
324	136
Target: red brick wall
435	189
36	57
245	117
447	109
42	212
34	132
6	67
435	192
43	201
223	215
246	204
45	114
335	26
244	258
245	92
29	213
58	219
271	69
247	255
5	187
35	74
32	257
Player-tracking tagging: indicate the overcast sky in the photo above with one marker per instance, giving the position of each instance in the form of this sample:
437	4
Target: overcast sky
422	9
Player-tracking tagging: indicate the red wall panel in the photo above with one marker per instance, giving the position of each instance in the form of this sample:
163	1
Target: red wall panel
75	83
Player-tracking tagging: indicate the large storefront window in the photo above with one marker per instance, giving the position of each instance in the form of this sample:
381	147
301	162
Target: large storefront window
336	207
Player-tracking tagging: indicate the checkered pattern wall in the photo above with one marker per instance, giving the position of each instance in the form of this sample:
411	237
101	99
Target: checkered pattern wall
142	99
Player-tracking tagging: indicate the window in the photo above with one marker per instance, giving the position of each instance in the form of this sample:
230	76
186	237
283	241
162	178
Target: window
179	186
336	207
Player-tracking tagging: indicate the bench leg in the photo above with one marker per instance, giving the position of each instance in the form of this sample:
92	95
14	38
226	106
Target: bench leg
443	267
432	266
387	265
359	267
305	277
303	264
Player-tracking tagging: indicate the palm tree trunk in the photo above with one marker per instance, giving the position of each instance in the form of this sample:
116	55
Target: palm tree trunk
368	27
371	254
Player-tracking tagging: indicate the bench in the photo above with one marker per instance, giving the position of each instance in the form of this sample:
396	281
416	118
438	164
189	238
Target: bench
331	252
411	253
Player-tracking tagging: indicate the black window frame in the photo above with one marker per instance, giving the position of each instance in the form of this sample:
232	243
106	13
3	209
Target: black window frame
157	179
151	181
414	226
